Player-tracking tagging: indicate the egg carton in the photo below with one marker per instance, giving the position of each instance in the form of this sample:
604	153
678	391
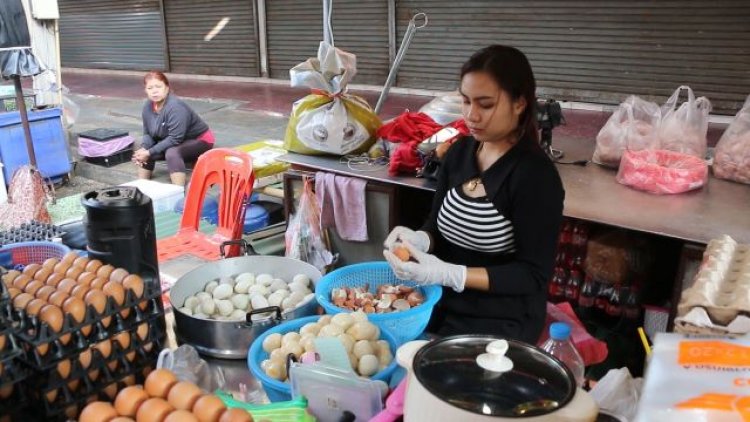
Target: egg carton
45	347
722	284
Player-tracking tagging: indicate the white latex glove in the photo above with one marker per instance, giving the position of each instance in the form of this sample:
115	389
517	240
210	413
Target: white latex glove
427	269
399	234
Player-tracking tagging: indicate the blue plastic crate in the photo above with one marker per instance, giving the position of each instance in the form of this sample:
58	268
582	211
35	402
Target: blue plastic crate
47	134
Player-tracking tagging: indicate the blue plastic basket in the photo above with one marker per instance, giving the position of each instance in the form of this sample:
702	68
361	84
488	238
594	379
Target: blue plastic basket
25	253
280	391
405	325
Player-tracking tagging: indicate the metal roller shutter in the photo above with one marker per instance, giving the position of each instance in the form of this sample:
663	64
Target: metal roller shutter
592	51
112	34
295	29
212	37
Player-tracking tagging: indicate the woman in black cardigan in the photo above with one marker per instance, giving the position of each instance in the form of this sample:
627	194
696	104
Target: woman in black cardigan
490	238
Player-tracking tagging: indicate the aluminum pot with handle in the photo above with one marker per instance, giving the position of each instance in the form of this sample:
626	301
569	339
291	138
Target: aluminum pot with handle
484	378
231	339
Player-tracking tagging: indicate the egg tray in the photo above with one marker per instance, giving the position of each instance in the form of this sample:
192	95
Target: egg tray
94	390
16	404
11	369
33	333
722	284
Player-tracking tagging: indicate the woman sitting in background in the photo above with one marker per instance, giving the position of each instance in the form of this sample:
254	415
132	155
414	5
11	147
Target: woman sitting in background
172	131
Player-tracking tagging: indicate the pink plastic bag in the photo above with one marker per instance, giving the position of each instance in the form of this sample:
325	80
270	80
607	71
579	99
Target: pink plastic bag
634	125
732	155
683	129
592	351
662	172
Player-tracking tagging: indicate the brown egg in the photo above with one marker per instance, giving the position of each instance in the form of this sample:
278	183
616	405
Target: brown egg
85	358
50	263
51	395
57	298
45	292
104	271
76	308
209	408
74	272
21	281
181	416
13	292
21	300
235	415
94	265
98	283
93	374
79	291
53	316
69	257
123	339
113	365
98	411
183	395
33	286
130	356
135	283
159	382
118	275
129	400
111	391
6	391
104	347
2	342
62	267
73	385
98	300
36	305
54	279
31	269
129	380
64	368
148	347
71	412
67	285
122	419
154	409
10	276
81	262
43	274
115	291
86	278
142	331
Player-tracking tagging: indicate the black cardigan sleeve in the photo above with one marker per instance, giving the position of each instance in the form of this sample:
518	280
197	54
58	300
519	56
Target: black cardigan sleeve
443	183
535	209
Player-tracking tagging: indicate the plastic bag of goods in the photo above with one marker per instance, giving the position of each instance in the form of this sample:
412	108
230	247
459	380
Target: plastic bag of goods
696	379
732	155
633	125
329	121
662	171
683	129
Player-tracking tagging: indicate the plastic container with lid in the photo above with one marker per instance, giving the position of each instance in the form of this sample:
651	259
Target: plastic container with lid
560	346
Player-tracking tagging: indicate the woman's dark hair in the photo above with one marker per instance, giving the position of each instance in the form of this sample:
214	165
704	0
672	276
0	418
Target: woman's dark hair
155	74
512	72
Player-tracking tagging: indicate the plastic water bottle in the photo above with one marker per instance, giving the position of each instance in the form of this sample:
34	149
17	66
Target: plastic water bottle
560	346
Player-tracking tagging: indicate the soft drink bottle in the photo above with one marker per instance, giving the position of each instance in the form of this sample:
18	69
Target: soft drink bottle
560	346
573	286
557	285
614	305
588	294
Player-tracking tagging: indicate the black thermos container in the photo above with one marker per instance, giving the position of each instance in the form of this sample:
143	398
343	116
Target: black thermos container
120	229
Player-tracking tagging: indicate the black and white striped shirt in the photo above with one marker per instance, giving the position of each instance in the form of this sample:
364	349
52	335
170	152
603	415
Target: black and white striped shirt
474	223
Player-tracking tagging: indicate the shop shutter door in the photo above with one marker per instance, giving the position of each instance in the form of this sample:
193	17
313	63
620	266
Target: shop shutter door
112	34
212	37
592	51
295	29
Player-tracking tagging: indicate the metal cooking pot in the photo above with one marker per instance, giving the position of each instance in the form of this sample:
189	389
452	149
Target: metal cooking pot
483	378
231	339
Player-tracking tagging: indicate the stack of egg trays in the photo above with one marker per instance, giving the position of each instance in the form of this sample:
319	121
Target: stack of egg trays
12	371
35	334
113	370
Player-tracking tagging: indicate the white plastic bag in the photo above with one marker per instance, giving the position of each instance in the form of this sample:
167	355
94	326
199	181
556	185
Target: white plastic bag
70	109
683	129
187	365
732	155
618	393
633	125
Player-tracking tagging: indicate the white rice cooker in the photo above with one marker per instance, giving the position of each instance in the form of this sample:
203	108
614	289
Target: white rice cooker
483	378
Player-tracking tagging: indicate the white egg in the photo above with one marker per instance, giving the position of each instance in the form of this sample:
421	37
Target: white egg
297	296
343	320
272	342
245	277
278	354
298	287
324	320
368	365
200	315
242	286
284	293
276	371
224	307
361	348
264	364
275	300
302	279
210	287
384	357
240	301
330	330
264	279
347	341
359	316
238	315
226	280
202	296
290	337
258	302
363	331
308	343
288	304
208	307
311	328
293	348
278	284
191	302
257	288
223	291
187	311
382	345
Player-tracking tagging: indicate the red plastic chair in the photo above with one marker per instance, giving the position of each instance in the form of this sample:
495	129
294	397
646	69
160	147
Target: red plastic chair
232	171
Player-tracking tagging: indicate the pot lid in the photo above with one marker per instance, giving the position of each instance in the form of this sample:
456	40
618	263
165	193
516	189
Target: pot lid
494	377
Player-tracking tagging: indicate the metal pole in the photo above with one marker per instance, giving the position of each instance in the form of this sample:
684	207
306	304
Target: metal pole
21	105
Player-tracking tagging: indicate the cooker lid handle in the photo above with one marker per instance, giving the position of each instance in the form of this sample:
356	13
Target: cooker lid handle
495	360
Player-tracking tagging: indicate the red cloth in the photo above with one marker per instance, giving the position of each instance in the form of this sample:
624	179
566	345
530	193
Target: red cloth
592	351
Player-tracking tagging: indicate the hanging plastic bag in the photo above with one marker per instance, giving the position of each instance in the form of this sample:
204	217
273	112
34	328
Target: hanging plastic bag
634	125
732	155
304	235
683	129
329	120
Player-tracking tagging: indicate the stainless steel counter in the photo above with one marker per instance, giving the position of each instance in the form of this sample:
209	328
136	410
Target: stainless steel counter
593	194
